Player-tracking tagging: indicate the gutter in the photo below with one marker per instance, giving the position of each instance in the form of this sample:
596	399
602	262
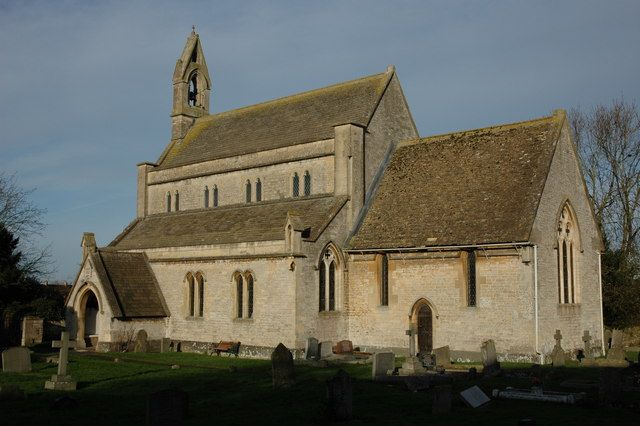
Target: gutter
438	248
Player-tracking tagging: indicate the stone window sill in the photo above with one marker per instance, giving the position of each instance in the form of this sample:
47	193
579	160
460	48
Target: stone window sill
241	320
194	318
329	313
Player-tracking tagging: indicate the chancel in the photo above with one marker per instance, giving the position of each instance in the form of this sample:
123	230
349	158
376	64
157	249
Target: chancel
325	215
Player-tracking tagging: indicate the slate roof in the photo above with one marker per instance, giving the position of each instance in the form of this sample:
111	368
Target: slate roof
292	120
263	221
129	284
465	188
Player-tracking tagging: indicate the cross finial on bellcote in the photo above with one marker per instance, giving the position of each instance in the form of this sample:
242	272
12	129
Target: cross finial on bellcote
193	30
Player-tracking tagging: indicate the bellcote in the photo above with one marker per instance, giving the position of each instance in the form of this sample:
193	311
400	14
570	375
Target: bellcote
191	81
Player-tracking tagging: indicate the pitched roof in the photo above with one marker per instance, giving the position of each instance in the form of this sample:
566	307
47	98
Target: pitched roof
263	221
129	283
292	120
472	187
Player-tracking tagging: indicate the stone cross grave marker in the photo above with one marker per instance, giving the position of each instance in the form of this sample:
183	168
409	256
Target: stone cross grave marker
617	350
62	380
441	399
311	350
382	363
16	360
412	344
167	407
340	397
443	356
282	367
474	397
588	350
142	345
558	357
32	328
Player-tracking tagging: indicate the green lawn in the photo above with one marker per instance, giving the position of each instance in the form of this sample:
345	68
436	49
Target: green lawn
115	394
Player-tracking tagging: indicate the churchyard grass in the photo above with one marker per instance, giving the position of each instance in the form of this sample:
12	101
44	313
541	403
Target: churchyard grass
116	393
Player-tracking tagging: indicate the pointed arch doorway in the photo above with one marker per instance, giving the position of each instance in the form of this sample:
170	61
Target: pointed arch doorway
422	322
87	310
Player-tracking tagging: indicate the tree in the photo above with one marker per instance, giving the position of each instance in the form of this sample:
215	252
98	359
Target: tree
23	219
608	140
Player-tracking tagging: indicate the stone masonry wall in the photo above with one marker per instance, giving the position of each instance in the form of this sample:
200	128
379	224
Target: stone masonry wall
565	183
504	311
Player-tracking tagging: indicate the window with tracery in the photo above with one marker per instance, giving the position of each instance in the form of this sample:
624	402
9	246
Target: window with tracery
328	280
244	283
567	245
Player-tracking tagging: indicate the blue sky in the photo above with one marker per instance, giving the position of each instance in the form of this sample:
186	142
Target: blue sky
85	87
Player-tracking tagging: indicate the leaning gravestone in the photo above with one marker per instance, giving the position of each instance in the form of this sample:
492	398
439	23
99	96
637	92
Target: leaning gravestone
282	367
326	349
32	328
474	397
16	360
142	344
441	399
490	363
616	352
168	407
382	363
443	356
311	350
558	356
340	397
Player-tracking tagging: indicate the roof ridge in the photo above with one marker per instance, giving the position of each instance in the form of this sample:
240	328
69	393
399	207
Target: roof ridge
557	115
288	97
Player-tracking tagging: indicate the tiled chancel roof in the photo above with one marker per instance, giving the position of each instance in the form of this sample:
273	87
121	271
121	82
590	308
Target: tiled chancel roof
263	221
301	118
130	284
472	187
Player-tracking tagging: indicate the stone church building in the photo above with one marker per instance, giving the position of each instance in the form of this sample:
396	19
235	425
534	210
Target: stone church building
325	215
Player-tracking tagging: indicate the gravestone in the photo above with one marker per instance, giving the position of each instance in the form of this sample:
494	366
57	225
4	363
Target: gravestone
142	344
382	363
474	397
588	350
340	397
326	349
311	350
616	352
610	386
62	380
168	407
344	347
16	360
441	399
412	341
443	356
282	367
558	356
165	345
491	366
412	366
32	328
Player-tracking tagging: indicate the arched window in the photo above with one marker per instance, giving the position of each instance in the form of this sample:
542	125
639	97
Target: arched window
193	90
258	190
215	196
191	295
206	196
568	238
383	278
177	201
168	202
247	188
200	280
249	296
296	185
239	294
328	279
307	183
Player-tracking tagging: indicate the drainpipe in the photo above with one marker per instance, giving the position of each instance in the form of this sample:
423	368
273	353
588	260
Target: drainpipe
601	311
535	284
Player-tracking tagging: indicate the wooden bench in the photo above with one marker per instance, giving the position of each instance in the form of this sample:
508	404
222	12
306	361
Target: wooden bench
228	347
